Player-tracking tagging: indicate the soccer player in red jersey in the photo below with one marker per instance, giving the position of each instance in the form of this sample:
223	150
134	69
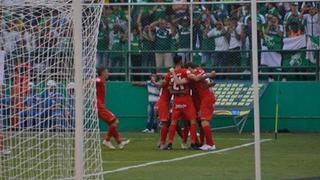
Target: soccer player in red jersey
204	98
105	114
183	107
163	105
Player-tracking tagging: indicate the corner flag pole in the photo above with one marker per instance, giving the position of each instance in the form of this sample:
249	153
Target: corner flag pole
255	78
276	119
78	59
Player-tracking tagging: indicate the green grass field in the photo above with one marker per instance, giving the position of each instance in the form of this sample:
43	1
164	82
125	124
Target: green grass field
292	156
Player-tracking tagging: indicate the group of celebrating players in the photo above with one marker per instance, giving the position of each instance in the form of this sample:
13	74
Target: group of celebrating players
193	101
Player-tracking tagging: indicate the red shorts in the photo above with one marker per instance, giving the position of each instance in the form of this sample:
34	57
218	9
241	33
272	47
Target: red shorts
106	115
196	102
163	110
183	108
206	108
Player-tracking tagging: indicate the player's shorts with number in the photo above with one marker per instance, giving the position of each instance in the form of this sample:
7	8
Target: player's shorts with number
183	108
106	115
163	110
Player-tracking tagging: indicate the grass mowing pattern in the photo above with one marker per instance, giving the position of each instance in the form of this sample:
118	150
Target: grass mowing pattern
291	156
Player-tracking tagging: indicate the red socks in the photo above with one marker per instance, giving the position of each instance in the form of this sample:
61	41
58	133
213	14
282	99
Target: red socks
208	135
172	130
113	132
193	133
163	134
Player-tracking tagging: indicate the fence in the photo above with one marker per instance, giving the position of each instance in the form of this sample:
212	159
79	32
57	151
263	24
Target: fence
136	39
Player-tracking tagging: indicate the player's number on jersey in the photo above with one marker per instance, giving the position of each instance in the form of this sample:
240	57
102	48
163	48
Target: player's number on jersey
175	86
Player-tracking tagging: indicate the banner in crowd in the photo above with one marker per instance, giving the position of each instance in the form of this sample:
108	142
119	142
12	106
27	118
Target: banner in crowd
292	58
295	58
271	59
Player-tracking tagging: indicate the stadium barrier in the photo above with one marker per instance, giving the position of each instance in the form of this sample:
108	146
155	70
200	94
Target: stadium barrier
130	43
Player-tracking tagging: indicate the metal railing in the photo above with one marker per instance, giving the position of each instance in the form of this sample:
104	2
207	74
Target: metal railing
129	21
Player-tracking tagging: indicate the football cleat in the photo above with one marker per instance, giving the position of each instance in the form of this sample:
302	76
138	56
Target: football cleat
163	147
169	147
206	147
108	144
194	147
145	131
123	143
151	131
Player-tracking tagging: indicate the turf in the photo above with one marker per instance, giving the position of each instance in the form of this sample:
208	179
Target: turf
291	156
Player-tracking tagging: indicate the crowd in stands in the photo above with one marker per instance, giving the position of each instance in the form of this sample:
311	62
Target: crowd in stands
48	107
221	33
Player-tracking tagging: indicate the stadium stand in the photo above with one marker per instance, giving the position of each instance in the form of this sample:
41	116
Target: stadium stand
288	38
235	100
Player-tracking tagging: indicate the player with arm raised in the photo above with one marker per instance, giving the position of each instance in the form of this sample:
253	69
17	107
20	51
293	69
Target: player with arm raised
205	100
183	107
105	114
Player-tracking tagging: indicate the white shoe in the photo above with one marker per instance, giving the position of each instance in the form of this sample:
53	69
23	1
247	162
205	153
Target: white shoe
206	147
211	148
5	152
108	144
184	146
163	147
145	131
123	143
151	131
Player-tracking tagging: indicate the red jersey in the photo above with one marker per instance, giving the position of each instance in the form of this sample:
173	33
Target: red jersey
165	94
201	86
183	89
101	90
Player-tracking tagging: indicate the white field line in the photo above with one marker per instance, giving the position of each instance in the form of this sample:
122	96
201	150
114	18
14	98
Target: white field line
175	159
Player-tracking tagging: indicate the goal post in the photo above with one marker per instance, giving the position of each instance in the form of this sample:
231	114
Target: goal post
48	119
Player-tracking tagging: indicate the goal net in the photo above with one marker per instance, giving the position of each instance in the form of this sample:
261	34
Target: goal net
37	95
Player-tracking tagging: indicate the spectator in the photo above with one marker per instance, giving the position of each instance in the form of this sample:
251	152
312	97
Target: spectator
31	109
183	33
147	45
135	48
234	31
220	35
53	113
311	20
153	96
272	40
272	10
115	45
197	33
145	17
164	32
159	11
102	45
292	22
180	8
208	44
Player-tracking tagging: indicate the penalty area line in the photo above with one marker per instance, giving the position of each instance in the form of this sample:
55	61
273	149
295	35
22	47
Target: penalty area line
175	159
